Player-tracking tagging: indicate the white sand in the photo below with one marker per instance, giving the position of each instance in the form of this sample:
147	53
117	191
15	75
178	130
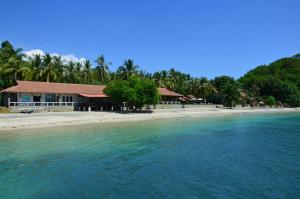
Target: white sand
50	119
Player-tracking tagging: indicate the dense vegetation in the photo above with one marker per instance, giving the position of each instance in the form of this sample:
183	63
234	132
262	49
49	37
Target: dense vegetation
279	80
135	91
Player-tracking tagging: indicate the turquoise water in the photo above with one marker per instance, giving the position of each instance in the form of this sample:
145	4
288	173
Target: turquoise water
253	156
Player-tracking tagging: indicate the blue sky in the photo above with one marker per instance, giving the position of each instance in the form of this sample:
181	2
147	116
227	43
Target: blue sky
203	38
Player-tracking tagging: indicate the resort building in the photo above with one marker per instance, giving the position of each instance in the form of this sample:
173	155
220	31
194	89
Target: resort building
61	96
168	96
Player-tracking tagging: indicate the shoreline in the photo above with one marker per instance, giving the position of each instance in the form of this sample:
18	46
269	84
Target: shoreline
11	122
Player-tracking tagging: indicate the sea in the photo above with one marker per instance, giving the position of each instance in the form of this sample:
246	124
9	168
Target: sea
239	156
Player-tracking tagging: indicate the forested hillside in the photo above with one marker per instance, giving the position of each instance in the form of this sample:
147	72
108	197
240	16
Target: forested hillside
280	79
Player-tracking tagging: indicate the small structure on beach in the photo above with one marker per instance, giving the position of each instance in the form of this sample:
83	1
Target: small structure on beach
191	97
169	97
64	96
193	100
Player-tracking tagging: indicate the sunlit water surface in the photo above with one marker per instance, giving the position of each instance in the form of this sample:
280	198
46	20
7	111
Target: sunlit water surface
252	156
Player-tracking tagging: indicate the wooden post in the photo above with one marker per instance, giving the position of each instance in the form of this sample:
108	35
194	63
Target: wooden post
8	100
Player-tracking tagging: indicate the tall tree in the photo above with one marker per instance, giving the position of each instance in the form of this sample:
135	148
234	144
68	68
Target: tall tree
200	87
48	71
160	78
78	73
87	72
228	88
59	66
7	51
127	69
12	65
35	64
102	69
17	69
70	72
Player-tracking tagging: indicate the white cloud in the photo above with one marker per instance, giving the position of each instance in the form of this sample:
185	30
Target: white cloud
65	58
31	53
70	57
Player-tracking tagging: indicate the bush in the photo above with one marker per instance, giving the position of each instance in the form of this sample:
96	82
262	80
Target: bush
293	100
136	92
270	101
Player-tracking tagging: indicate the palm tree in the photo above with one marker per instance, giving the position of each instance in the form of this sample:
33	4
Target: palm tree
127	69
16	69
59	66
2	82
171	79
8	51
36	61
102	69
200	87
12	66
161	78
69	72
145	74
48	72
113	76
36	65
164	78
78	73
87	72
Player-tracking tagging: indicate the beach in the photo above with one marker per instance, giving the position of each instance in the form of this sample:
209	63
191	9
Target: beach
16	121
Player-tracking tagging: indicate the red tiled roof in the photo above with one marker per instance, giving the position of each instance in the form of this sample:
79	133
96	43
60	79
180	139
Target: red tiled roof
66	88
166	92
93	95
51	87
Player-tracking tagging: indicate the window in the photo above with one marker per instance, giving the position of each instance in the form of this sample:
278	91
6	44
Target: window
36	98
67	98
50	98
25	98
57	98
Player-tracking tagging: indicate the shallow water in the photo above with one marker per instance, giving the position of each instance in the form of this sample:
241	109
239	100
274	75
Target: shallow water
252	156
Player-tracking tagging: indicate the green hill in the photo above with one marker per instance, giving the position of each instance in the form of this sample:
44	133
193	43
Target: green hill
280	79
